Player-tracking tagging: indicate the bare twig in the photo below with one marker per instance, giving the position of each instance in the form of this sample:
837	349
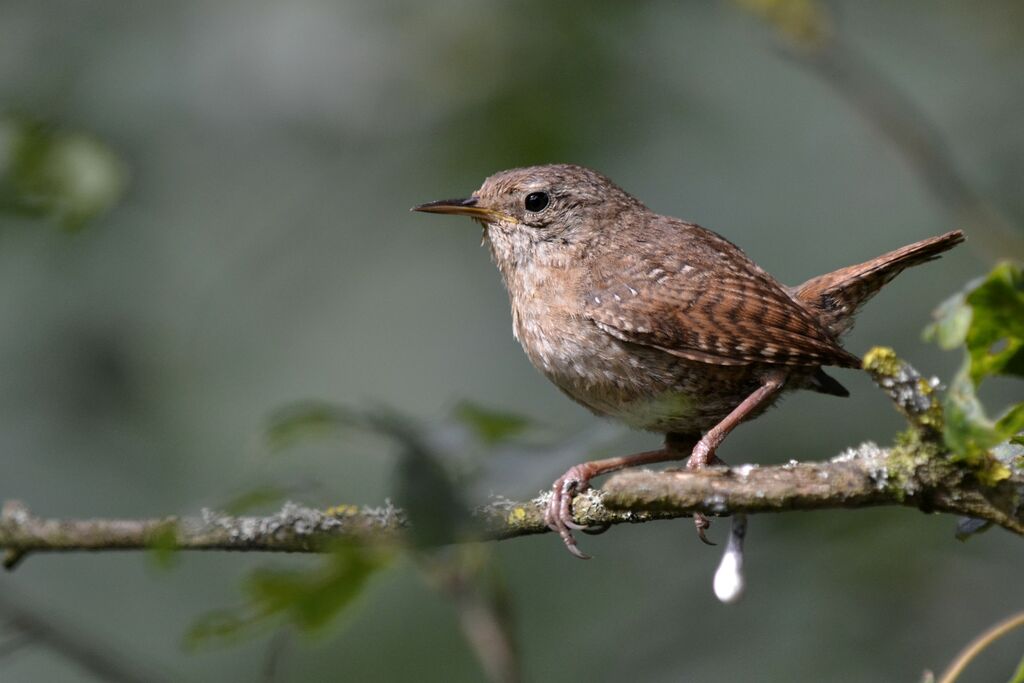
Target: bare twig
30	628
275	653
974	648
469	579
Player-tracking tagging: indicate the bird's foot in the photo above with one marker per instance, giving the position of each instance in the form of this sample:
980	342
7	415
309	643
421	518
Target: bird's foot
558	515
702	456
702	523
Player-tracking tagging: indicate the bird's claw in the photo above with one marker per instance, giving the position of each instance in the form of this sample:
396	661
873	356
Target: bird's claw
558	514
703	455
703	524
574	526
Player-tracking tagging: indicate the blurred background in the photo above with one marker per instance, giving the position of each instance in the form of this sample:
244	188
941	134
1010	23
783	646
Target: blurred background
227	232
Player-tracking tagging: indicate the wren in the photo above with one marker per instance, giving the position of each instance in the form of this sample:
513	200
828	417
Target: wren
656	321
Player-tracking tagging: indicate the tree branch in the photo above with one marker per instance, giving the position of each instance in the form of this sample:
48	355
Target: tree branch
916	472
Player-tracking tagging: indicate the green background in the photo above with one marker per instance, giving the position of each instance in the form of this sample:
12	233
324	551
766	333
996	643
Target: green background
264	253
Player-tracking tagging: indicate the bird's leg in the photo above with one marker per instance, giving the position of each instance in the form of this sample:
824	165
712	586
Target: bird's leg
704	452
558	515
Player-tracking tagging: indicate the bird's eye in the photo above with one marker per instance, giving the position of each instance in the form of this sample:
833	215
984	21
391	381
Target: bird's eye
536	201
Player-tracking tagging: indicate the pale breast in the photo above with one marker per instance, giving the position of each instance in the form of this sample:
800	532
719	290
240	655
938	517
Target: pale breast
641	386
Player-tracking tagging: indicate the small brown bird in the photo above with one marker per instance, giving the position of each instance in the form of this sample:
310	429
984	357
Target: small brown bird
655	321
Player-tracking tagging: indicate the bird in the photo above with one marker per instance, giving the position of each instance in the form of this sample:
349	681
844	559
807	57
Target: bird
655	321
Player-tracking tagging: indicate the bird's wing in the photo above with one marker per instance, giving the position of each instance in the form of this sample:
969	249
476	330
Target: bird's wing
704	300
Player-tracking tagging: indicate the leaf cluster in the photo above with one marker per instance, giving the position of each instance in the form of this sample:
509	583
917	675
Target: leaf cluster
65	176
986	319
432	495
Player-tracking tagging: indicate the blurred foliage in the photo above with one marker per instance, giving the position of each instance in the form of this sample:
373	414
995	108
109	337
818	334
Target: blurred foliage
802	23
490	426
255	498
307	598
537	104
68	177
987	319
1018	675
468	576
303	421
432	497
163	545
426	487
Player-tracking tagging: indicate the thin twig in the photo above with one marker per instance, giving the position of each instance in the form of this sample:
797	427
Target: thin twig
974	648
276	647
32	628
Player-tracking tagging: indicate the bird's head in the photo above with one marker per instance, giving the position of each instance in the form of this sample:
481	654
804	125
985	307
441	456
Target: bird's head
540	211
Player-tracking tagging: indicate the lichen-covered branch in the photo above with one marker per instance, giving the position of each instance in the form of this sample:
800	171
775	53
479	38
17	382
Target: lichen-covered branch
862	477
294	528
915	472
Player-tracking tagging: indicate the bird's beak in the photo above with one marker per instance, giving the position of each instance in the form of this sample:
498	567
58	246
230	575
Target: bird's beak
462	207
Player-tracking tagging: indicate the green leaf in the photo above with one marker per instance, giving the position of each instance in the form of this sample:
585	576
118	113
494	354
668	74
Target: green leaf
219	627
425	488
490	426
307	598
988	320
163	544
1018	675
256	498
968	432
971	436
804	23
311	599
304	421
432	501
63	175
1011	423
995	340
952	321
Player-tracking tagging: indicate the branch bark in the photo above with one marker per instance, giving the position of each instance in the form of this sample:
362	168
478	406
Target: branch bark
916	472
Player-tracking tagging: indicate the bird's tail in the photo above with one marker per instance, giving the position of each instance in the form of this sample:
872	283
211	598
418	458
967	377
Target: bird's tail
837	296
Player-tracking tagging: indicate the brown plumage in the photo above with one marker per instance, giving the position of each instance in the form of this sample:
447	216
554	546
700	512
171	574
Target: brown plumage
837	296
656	321
704	300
